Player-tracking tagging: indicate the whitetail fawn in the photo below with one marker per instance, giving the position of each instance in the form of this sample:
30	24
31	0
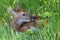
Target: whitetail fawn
22	20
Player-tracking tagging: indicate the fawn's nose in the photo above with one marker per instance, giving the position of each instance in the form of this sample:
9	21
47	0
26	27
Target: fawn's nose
32	18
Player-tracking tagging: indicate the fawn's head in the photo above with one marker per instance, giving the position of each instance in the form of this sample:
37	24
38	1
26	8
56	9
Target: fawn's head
19	13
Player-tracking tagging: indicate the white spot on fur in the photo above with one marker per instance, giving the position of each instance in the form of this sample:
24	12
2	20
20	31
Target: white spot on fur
20	21
33	28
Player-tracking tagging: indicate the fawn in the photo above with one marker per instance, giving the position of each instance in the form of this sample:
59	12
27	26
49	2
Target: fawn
22	20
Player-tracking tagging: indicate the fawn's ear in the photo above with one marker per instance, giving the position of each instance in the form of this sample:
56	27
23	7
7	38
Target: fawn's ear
12	11
17	8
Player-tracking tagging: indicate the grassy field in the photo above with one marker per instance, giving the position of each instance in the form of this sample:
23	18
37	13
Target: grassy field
50	8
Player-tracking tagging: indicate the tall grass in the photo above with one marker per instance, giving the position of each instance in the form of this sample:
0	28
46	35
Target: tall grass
45	8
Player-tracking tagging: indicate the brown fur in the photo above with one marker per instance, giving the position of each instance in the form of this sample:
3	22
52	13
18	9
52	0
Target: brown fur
25	25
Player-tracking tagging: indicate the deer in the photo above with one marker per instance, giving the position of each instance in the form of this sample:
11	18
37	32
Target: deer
22	20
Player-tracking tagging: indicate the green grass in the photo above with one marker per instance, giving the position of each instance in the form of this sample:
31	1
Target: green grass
50	8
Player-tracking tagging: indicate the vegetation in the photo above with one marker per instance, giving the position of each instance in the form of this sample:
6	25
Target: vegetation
50	8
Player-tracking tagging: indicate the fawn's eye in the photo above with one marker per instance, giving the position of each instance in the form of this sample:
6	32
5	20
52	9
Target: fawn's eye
23	14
